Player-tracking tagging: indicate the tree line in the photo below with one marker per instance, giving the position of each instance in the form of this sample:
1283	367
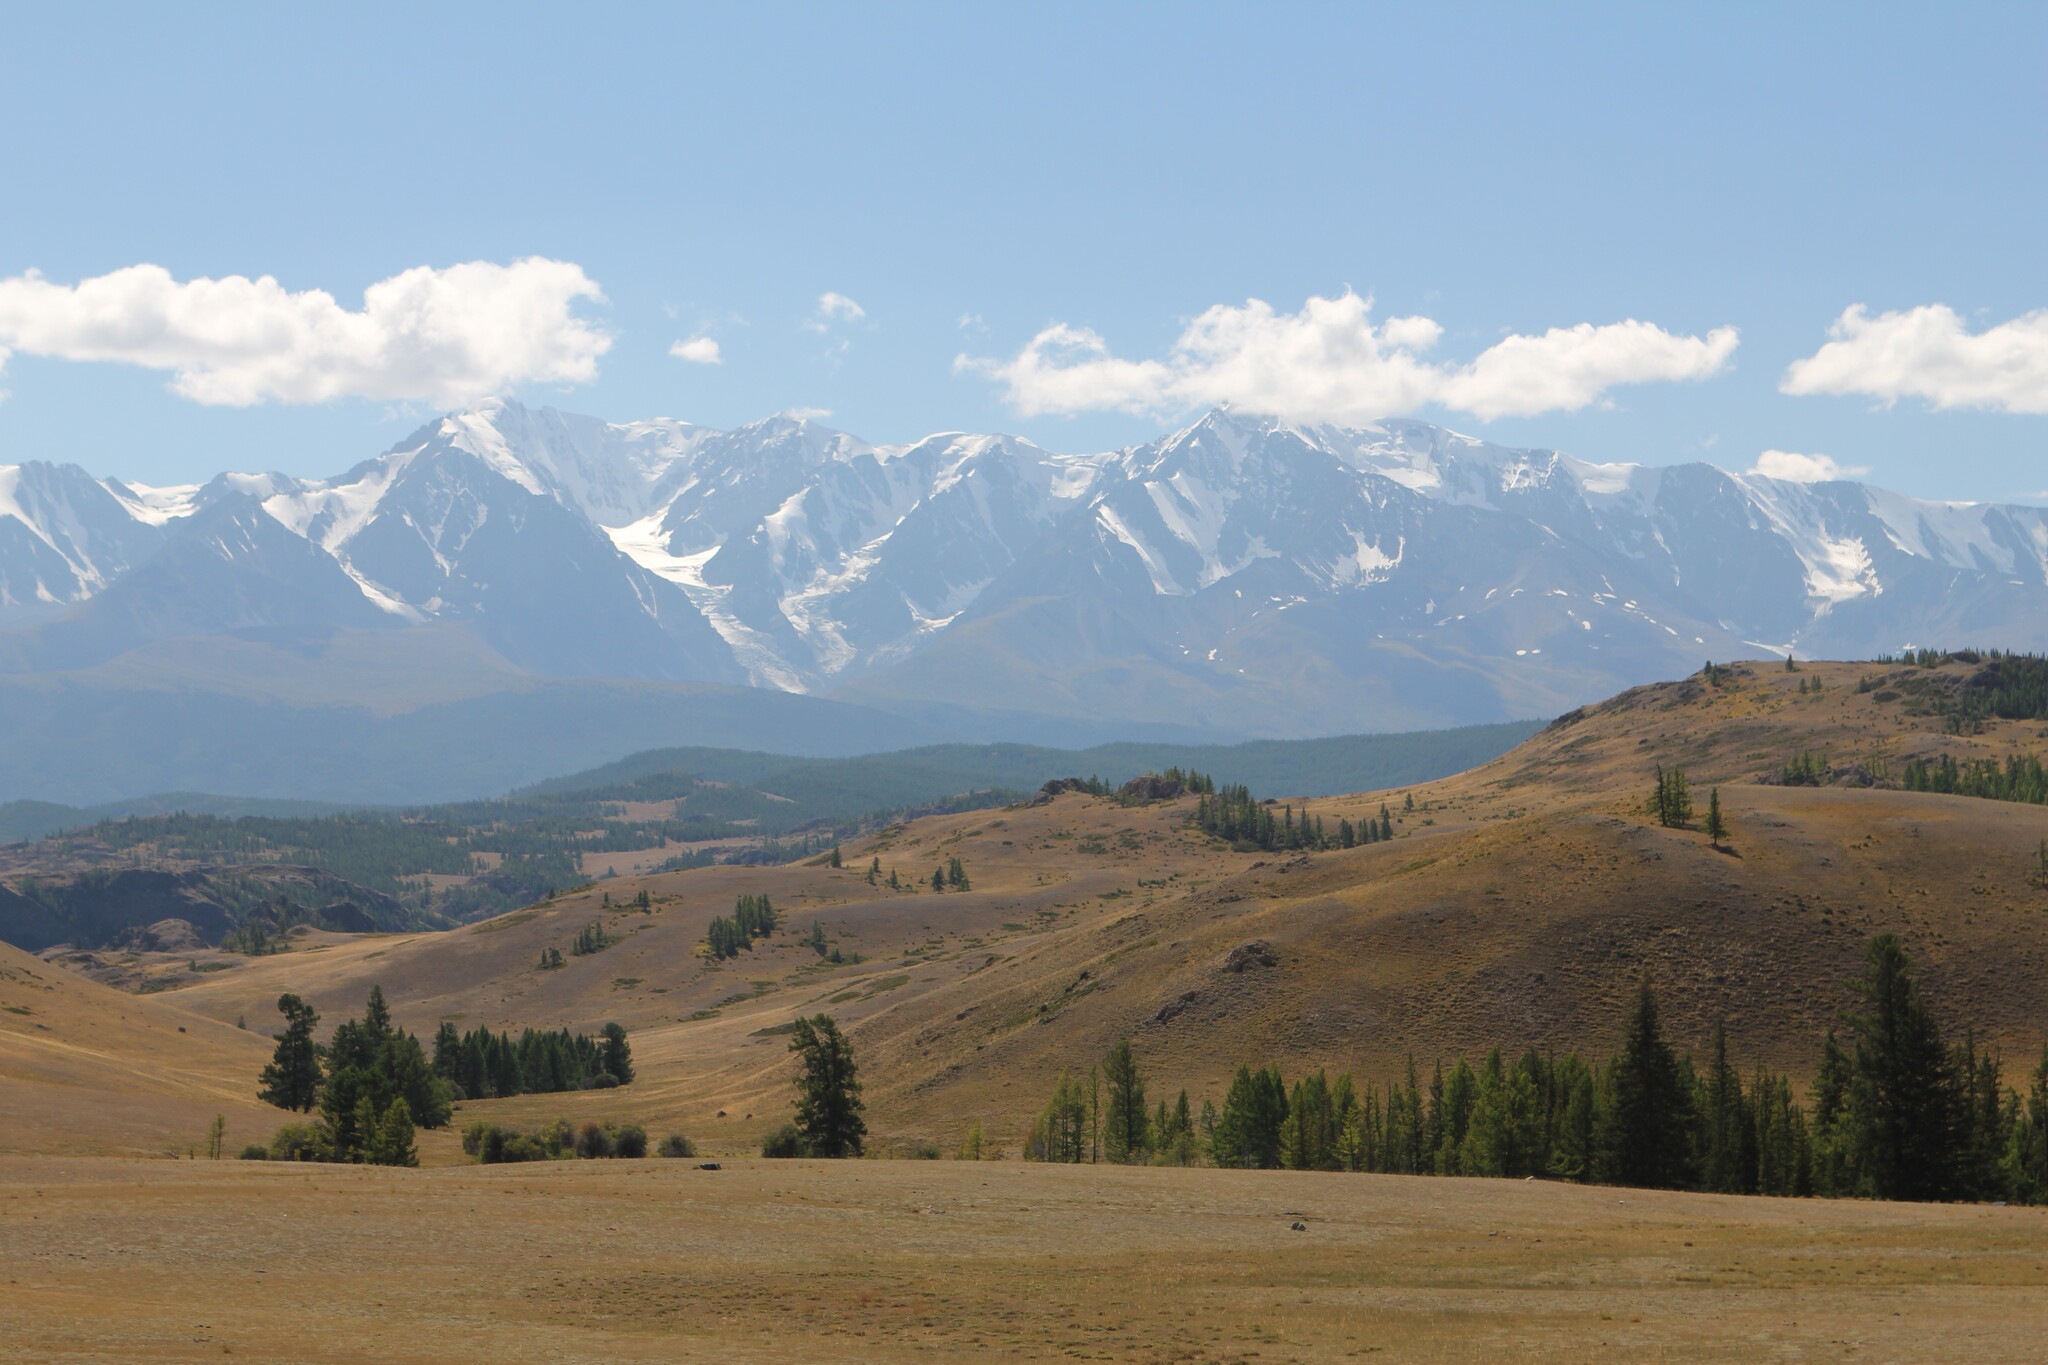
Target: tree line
2021	777
1232	814
373	1086
1893	1112
481	1064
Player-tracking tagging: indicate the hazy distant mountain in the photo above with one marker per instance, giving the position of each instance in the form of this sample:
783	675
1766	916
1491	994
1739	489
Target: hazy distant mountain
1243	576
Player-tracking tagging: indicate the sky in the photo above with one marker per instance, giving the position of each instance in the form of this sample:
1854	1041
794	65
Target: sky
1802	238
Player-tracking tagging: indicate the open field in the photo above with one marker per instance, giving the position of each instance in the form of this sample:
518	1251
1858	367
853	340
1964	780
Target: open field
934	1261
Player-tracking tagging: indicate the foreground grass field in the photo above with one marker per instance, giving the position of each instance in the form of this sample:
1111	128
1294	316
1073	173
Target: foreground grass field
802	1261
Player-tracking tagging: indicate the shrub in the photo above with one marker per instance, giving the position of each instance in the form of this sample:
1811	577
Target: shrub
783	1142
593	1141
558	1137
255	1151
520	1147
630	1141
603	1080
298	1142
473	1138
675	1144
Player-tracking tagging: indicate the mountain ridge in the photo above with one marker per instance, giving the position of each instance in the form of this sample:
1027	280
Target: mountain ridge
1242	574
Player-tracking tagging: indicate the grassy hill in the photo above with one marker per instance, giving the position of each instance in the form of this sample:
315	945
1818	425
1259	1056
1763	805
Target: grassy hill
1518	904
85	1068
433	865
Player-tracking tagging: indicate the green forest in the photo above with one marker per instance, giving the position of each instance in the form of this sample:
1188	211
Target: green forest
1894	1111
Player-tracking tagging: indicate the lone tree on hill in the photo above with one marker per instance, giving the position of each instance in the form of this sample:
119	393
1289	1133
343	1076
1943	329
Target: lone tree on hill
292	1080
828	1103
1717	828
1673	802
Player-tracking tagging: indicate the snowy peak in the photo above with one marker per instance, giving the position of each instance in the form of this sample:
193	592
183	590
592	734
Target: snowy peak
1242	556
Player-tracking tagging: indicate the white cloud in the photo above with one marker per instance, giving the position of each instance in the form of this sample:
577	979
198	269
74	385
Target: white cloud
698	351
1928	353
838	307
445	336
1796	468
1330	362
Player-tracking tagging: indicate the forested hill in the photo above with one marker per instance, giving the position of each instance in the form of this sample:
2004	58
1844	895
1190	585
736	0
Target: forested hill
1290	767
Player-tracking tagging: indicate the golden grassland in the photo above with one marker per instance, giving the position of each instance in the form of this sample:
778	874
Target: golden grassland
934	1261
1518	904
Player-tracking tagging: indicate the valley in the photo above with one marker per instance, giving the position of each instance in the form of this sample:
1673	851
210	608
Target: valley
1517	904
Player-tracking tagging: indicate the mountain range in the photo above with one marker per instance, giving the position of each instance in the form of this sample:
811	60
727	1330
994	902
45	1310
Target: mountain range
1244	576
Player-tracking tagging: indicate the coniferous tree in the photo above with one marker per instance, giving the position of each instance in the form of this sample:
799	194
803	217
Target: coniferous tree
292	1080
828	1108
447	1050
1061	1133
1644	1138
1248	1133
391	1139
1717	828
1124	1118
1900	1100
615	1055
1727	1135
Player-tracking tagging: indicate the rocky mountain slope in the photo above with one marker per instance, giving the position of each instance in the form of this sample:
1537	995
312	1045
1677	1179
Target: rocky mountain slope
1244	575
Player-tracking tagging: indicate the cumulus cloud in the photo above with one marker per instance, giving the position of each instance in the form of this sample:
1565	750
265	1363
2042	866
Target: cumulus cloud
1929	353
837	307
1332	362
445	336
698	351
1796	468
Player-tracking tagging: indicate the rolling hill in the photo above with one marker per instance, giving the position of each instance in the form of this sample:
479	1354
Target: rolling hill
88	1069
1518	904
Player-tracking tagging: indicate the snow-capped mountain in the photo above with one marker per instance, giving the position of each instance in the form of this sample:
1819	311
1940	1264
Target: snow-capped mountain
1246	575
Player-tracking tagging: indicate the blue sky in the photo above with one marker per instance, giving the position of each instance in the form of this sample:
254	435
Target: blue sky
969	177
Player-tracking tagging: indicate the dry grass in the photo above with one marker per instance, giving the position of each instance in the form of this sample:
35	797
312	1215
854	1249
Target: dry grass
884	1261
1518	906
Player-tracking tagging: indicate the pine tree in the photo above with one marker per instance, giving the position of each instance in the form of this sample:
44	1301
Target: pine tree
1061	1133
1124	1138
292	1080
938	880
828	1109
1717	828
835	854
1900	1089
615	1055
390	1142
1644	1138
